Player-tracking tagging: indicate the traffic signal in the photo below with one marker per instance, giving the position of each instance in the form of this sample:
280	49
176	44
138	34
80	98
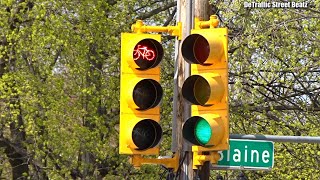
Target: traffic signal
207	89
140	93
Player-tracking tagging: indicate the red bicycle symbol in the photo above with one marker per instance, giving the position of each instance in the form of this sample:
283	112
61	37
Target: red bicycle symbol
144	52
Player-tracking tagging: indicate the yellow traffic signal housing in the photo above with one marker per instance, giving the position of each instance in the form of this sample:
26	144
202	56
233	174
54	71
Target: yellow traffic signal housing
199	158
140	93
207	89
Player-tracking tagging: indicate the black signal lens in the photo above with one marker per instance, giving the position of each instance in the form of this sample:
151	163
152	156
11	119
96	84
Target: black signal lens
147	94
196	90
146	134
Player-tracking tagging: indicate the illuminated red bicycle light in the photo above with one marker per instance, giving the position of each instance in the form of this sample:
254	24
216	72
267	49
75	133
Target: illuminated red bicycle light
147	54
143	52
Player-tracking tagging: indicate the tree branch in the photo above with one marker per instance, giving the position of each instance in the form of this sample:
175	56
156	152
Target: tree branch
156	11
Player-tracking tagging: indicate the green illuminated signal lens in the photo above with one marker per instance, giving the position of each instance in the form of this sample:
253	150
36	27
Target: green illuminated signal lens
203	131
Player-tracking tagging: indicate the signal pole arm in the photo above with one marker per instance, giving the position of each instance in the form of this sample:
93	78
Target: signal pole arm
139	27
138	160
212	23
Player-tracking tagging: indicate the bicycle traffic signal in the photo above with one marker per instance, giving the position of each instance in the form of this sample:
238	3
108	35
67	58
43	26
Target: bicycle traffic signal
207	89
140	93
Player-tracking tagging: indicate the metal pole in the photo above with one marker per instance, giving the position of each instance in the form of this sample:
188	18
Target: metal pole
289	139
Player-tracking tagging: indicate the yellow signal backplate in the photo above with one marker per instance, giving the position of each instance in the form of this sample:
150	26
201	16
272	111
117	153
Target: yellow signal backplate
138	160
197	68
128	43
127	123
199	158
223	121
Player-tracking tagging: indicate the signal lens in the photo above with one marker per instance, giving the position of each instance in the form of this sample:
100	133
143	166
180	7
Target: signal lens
200	49
196	90
147	94
203	131
146	134
197	131
147	54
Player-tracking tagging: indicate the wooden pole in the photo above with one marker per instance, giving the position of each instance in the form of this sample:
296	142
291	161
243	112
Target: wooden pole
181	109
202	10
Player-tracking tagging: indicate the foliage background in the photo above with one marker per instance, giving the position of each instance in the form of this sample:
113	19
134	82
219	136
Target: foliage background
59	85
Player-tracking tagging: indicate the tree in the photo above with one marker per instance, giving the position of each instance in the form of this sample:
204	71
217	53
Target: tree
59	84
274	80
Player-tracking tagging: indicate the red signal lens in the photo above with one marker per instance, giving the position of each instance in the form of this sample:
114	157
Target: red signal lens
147	54
195	49
201	49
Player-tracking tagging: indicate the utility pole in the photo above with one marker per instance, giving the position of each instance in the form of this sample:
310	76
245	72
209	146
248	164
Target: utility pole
181	110
201	8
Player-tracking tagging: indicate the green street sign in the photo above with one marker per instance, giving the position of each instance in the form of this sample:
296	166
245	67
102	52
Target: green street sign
247	154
